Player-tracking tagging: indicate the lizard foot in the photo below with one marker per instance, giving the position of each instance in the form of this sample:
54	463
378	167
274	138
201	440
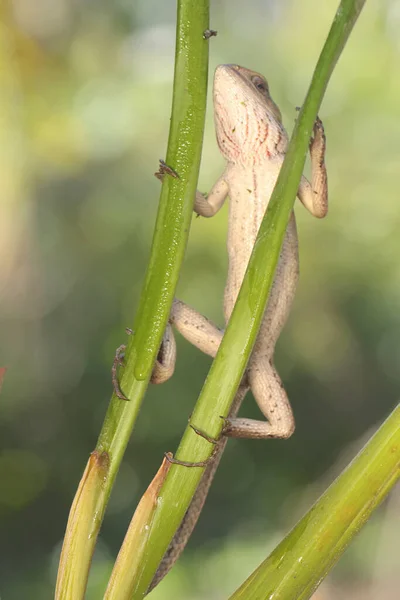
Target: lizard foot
183	463
203	434
226	427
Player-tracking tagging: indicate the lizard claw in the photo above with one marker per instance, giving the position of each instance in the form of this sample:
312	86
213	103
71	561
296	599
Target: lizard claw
184	463
203	434
318	141
318	132
226	426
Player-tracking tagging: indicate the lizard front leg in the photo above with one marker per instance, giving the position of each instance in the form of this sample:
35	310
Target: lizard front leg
314	195
208	206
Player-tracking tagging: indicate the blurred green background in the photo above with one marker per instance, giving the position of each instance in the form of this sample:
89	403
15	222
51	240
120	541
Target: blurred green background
85	97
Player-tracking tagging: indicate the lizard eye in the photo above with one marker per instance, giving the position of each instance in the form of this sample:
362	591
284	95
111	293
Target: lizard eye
260	84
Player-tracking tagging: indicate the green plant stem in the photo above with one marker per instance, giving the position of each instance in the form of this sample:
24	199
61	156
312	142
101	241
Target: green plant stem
168	247
183	155
296	567
230	363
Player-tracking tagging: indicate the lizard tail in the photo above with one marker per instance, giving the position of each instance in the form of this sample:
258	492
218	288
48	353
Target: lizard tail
192	514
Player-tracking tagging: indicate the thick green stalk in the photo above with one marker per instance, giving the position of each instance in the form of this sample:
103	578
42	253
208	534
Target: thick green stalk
169	243
296	567
184	152
230	363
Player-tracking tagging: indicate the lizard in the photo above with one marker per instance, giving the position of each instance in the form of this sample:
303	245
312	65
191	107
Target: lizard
253	141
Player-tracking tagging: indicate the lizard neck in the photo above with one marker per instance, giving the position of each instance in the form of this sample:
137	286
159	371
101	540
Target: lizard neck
253	142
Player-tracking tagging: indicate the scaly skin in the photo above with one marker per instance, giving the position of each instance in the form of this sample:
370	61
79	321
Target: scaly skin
253	141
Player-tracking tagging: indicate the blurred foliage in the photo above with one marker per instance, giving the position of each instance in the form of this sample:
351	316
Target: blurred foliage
85	95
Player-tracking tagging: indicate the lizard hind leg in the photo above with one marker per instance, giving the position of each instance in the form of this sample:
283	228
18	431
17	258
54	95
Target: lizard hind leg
272	400
263	378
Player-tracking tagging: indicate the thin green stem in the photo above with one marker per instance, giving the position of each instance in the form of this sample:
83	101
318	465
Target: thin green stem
169	243
230	363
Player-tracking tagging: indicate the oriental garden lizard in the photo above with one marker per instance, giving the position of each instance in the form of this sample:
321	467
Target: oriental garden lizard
253	142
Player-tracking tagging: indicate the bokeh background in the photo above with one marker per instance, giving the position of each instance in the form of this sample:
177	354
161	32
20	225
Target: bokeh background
85	97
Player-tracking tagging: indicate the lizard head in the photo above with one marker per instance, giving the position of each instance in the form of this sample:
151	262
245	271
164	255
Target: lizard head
247	121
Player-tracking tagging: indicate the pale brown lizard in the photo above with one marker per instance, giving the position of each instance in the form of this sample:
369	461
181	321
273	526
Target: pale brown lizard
253	141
